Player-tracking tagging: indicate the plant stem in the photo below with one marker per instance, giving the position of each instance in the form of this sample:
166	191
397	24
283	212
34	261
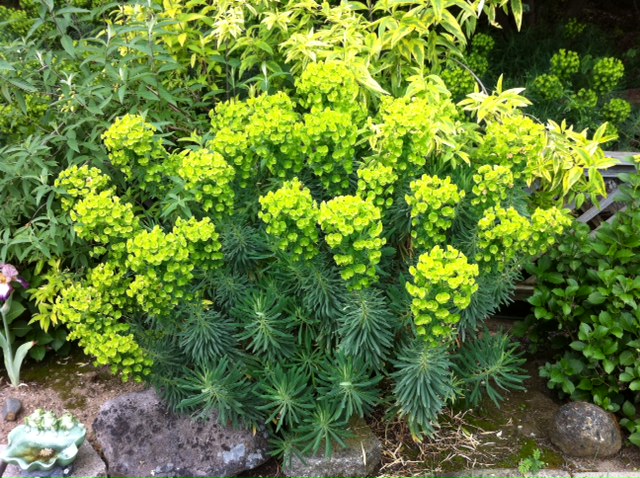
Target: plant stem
7	307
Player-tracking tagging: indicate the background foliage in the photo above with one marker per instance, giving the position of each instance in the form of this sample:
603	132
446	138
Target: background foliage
588	290
234	201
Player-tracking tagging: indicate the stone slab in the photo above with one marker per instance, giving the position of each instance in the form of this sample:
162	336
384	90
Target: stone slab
505	473
88	464
361	457
140	437
608	474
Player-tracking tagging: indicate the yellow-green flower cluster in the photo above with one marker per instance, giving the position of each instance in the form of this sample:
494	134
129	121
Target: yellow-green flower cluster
504	236
102	218
492	185
233	114
607	73
14	121
329	139
265	128
501	235
328	85
92	311
459	80
163	265
574	28
548	87
376	183
443	284
14	22
291	216
229	122
584	100
565	64
478	63
433	207
406	136
209	178
546	226
133	147
511	143
234	147
272	131
353	228
201	240
482	44
617	111
77	182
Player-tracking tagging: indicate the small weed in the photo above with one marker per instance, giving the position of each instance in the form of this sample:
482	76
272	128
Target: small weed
532	465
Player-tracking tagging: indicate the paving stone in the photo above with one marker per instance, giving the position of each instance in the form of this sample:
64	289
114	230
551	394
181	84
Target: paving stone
87	464
361	458
608	474
505	473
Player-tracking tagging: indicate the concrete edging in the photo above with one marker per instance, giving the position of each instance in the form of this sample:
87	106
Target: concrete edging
545	473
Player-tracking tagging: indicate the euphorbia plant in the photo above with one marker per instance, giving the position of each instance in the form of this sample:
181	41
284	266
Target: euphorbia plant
8	276
307	248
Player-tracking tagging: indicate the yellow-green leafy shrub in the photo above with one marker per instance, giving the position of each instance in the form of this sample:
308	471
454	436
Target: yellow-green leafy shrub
443	284
291	216
284	251
433	207
492	187
353	229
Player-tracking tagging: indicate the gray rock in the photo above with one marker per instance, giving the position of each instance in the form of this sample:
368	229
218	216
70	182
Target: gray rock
11	409
361	457
140	437
87	464
585	430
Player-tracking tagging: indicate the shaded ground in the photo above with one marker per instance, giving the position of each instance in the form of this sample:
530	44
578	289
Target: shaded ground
69	383
488	437
483	438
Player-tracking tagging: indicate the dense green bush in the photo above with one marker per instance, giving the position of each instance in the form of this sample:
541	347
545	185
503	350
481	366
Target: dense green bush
588	290
281	293
285	265
572	70
581	90
69	68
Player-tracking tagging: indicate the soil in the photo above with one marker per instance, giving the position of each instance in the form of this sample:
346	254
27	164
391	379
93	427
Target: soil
488	437
70	383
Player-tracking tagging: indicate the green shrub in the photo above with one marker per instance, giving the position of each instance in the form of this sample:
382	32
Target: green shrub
305	290
581	89
565	64
286	258
589	290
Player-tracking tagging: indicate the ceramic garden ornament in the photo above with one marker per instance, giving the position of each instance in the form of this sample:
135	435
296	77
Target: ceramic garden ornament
45	441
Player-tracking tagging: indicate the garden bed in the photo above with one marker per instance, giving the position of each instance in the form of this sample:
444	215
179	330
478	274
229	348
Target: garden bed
482	438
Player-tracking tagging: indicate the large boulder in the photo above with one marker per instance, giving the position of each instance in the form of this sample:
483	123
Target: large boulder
585	430
140	437
361	457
